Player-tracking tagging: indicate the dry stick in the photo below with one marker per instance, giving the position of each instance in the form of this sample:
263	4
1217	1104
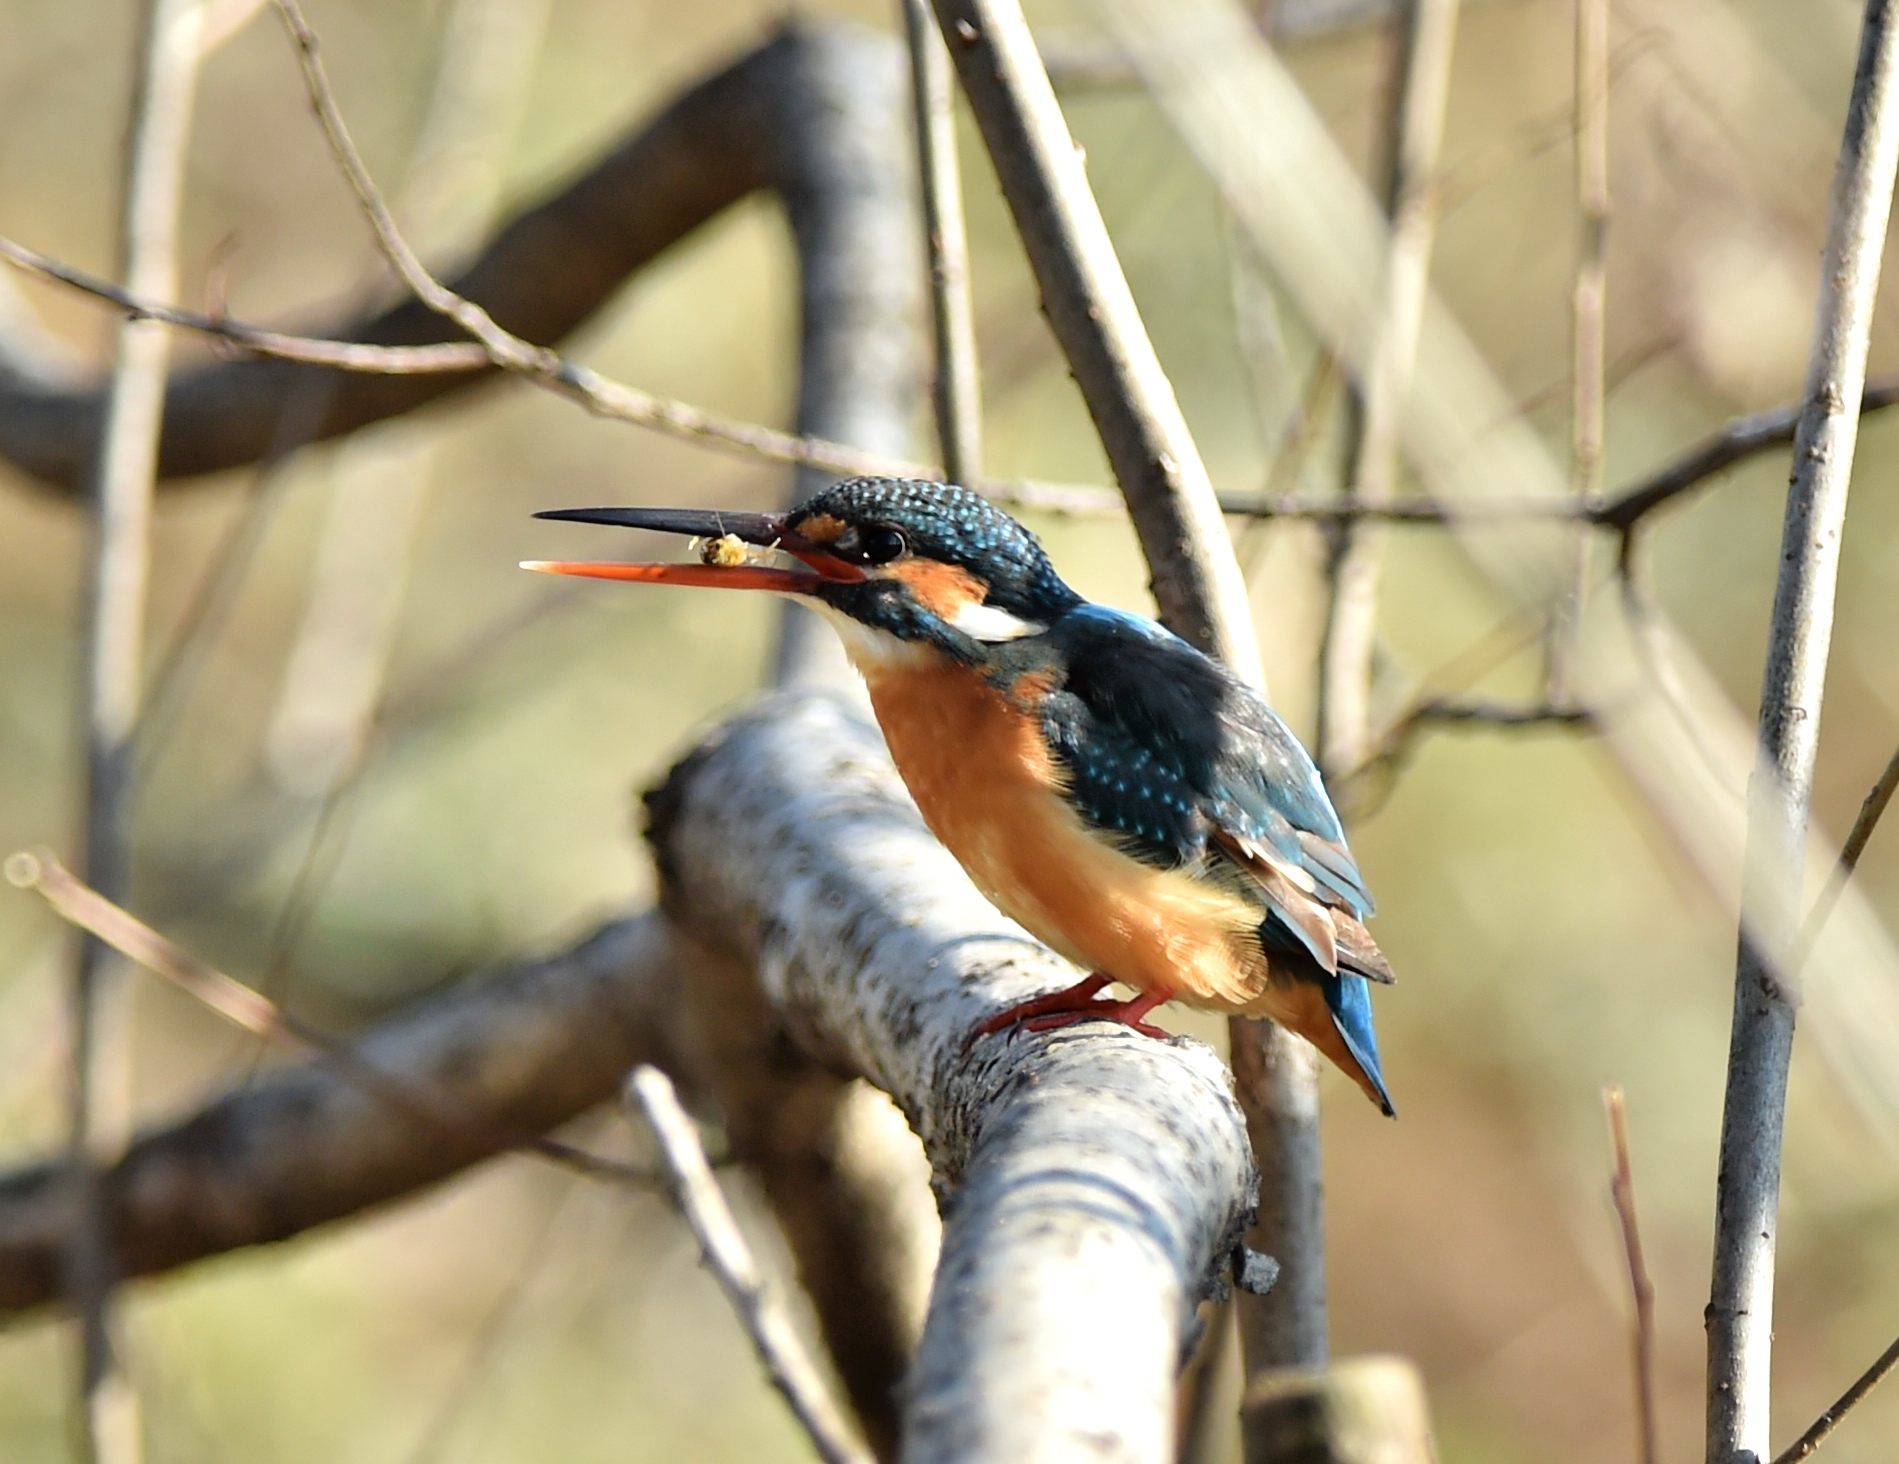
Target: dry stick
334	678
1732	444
1622	1192
1425	31
1816	1434
337	355
1588	331
1740	1309
250	1010
1196	578
1871	809
723	1248
957	388
99	1096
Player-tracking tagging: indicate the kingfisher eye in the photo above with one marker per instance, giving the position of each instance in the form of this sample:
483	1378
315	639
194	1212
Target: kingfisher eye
881	544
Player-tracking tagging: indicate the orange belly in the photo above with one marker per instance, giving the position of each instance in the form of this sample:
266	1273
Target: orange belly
989	791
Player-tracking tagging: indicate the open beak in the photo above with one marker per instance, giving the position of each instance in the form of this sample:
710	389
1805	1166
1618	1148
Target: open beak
760	530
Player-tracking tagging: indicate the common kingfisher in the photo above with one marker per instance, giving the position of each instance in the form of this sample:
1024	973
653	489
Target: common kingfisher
1125	798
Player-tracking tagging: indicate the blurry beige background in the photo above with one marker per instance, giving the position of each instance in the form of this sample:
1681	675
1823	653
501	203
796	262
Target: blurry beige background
1547	937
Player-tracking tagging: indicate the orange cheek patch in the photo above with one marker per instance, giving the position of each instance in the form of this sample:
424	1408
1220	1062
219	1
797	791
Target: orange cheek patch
942	589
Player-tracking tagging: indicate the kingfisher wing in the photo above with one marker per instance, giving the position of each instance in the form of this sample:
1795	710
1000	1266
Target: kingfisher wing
1185	766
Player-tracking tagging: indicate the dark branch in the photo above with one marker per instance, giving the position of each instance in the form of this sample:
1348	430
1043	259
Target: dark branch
520	1052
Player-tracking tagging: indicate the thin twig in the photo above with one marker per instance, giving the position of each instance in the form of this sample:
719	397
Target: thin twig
1734	443
1871	809
450	356
111	678
1738	440
1641	1290
1741	1304
1588	308
1426	31
538	364
958	387
1391	746
723	1247
1816	1434
251	1011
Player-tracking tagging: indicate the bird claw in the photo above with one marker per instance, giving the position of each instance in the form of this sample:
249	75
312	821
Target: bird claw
1103	1011
1078	1003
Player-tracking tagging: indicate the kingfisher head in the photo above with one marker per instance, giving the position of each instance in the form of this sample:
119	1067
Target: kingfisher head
900	566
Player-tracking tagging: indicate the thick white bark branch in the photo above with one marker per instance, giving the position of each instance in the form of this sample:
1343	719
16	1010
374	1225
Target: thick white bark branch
1094	1183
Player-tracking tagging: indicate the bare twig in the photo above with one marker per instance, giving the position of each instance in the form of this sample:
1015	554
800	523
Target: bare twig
1588	308
1425	30
1391	747
1740	439
1816	1434
250	1010
1622	1192
723	1248
338	355
958	387
1740	1308
99	1092
1871	809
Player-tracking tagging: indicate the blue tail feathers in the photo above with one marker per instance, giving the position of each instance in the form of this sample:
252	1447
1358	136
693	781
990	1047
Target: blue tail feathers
1349	998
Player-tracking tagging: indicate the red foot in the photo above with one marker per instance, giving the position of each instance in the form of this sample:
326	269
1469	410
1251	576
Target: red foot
1074	1004
1068	999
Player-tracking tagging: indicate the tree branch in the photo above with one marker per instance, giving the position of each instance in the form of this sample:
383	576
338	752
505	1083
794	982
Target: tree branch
1741	1305
1641	1289
1060	1160
1816	1434
957	389
1196	578
772	120
722	1247
1425	32
512	1054
111	685
1085	295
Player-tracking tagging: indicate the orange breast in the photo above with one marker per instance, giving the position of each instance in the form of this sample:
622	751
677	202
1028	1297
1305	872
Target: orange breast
989	791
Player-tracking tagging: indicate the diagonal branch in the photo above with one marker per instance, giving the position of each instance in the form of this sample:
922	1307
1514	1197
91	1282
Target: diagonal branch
516	1053
1060	1160
783	118
722	1245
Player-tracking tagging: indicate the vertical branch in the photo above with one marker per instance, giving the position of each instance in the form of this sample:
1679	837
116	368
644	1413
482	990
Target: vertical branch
957	391
1085	295
1426	31
1196	578
1740	1309
1588	312
1622	1192
114	610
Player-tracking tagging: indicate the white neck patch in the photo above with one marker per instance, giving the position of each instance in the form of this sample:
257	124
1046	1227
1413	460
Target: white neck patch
992	624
